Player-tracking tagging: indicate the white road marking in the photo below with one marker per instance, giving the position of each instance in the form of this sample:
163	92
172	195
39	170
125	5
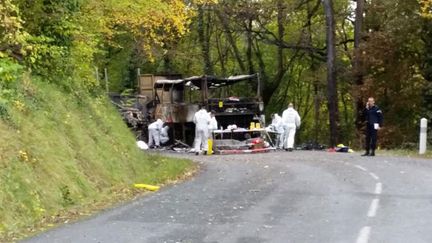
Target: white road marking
374	176
378	188
364	234
373	208
360	167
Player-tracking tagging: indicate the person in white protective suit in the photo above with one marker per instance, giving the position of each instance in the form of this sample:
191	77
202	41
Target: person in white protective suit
291	121
154	130
277	126
213	122
213	125
202	121
164	137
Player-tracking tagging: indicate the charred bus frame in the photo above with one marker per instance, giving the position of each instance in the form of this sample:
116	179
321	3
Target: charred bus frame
169	103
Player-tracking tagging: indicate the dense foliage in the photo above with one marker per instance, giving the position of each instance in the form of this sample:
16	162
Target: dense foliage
382	49
64	41
388	57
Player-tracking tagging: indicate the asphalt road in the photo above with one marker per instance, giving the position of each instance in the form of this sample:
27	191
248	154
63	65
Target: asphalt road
276	197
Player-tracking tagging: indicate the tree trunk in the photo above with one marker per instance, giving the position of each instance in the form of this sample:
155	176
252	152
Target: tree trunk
204	40
271	87
358	23
249	46
314	68
262	71
357	67
332	94
221	55
281	33
317	105
230	38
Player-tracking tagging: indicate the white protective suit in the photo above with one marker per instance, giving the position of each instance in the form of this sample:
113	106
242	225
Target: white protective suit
202	121
164	138
291	121
277	126
154	130
213	124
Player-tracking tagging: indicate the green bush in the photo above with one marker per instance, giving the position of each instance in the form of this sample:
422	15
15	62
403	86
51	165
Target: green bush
10	73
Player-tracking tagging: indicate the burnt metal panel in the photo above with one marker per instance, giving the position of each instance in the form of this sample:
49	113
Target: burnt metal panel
176	113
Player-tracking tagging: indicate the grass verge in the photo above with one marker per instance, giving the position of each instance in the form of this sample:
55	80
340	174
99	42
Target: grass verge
407	153
63	156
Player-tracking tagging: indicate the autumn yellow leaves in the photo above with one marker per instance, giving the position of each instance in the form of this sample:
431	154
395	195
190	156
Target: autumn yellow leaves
426	8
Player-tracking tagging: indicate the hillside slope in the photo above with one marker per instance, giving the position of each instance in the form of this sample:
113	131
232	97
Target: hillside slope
61	151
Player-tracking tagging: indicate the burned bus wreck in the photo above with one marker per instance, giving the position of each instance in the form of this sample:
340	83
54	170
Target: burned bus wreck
178	100
175	100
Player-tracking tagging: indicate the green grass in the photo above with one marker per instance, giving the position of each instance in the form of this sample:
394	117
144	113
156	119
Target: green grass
60	154
407	153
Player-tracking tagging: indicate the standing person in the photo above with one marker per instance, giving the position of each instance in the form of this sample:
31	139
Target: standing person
291	121
213	125
154	130
374	119
202	121
213	122
277	126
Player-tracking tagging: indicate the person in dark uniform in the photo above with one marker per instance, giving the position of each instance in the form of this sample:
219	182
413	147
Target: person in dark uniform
374	119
